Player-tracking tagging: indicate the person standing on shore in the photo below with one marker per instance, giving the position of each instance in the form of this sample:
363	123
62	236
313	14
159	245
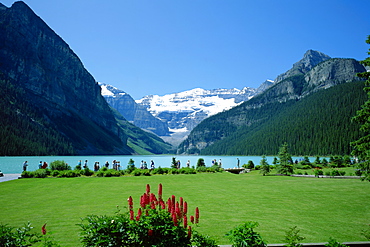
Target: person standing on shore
25	166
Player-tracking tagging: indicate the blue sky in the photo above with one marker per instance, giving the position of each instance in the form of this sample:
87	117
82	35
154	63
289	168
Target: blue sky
165	46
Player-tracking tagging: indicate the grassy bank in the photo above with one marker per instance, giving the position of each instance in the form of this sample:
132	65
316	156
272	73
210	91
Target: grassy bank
321	208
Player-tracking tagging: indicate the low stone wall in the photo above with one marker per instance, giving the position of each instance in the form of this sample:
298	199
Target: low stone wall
324	176
350	244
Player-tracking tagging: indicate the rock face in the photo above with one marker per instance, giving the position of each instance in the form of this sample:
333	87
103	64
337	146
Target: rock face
33	57
133	112
310	59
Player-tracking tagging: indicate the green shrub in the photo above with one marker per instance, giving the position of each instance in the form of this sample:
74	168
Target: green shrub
158	170
68	174
202	240
54	173
187	170
174	171
245	236
86	172
156	224
292	237
318	172
59	165
200	163
333	243
40	173
27	174
201	169
24	236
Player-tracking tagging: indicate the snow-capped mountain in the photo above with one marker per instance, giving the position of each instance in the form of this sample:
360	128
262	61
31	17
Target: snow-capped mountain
173	116
134	113
183	111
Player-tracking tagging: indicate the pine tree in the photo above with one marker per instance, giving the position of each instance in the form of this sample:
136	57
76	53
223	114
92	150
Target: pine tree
362	145
285	165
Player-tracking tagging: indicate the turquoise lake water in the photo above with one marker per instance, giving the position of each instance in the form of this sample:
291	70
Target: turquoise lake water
14	164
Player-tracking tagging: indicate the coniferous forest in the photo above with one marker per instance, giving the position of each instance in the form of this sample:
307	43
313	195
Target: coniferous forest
22	130
319	124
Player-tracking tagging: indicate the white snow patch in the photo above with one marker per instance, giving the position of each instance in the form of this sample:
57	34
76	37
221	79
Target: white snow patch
105	91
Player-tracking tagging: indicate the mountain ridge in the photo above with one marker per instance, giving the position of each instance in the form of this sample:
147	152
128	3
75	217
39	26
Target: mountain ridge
291	89
63	94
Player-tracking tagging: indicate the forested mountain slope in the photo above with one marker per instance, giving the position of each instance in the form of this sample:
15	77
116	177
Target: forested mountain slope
311	115
51	104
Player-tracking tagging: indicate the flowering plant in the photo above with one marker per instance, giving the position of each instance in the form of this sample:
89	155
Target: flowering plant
157	222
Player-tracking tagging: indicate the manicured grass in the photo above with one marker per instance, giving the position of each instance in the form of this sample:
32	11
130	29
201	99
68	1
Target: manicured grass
321	208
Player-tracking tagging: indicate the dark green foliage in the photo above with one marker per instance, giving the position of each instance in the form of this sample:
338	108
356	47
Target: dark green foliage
362	144
201	163
264	166
59	165
333	243
285	163
319	124
23	130
24	236
292	237
245	236
202	240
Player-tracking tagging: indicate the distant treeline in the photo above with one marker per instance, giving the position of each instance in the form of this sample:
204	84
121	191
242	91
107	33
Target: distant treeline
319	124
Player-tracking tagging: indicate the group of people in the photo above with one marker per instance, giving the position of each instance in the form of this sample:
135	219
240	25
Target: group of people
145	166
42	165
116	165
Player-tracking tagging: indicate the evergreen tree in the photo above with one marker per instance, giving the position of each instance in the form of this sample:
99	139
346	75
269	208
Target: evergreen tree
265	167
362	145
285	165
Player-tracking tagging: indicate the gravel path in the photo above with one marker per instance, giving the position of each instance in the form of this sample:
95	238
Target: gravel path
8	177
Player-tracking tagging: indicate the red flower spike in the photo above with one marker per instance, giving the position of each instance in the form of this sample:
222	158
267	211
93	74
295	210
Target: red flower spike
150	232
177	210
174	219
173	201
192	219
196	215
185	208
130	203
131	215
163	206
169	202
181	205
138	214
147	189
189	232
160	192
152	205
43	229
185	221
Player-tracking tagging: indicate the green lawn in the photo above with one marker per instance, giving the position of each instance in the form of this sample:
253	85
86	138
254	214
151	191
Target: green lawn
321	208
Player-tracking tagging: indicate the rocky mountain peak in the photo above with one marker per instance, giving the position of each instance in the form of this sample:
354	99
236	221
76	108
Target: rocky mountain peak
310	59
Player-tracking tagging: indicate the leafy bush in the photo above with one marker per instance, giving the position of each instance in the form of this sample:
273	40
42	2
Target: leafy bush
156	224
292	237
333	243
40	173
68	174
318	172
59	165
86	172
13	237
27	174
200	163
159	170
244	235
187	170
201	169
